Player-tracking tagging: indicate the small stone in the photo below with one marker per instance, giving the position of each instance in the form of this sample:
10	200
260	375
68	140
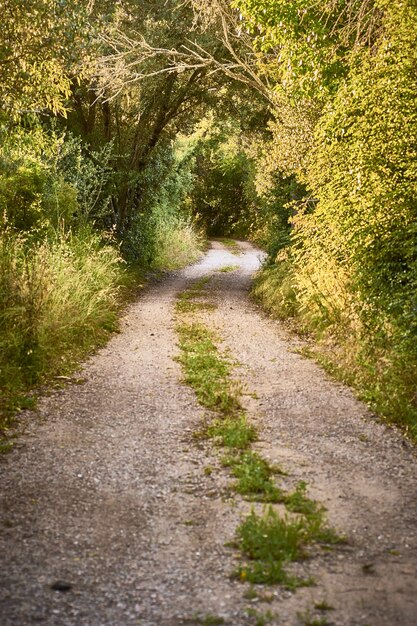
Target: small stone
61	585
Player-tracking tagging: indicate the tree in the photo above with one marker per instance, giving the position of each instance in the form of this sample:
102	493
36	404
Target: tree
41	52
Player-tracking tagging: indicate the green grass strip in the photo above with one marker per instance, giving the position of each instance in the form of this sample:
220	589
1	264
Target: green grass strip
206	370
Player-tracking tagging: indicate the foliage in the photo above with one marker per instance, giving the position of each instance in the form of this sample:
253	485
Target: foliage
162	233
33	195
222	194
347	269
254	478
41	45
59	298
232	432
310	42
205	370
268	542
49	181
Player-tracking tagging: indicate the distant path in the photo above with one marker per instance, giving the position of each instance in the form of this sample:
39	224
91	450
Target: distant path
107	490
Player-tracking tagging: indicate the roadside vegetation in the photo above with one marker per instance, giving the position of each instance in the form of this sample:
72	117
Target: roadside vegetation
136	129
268	539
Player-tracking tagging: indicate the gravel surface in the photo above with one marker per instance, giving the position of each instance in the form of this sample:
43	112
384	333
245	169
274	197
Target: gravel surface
109	519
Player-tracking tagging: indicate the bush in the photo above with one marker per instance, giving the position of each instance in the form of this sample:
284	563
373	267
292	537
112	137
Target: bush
353	260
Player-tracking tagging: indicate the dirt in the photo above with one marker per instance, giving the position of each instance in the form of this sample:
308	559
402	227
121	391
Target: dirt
109	515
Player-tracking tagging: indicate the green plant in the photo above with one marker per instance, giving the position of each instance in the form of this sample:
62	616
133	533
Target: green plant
231	244
209	620
323	605
261	619
307	619
58	300
232	432
254	476
206	370
297	502
254	594
228	268
268	542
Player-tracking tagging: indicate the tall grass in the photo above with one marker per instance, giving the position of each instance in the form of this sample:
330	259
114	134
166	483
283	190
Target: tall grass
177	243
58	299
370	358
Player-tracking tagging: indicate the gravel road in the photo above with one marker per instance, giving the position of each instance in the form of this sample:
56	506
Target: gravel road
109	516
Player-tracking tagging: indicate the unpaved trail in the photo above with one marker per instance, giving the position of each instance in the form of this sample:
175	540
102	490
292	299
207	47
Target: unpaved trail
107	490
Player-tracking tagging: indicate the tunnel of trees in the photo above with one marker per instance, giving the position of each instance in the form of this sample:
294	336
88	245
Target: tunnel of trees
131	130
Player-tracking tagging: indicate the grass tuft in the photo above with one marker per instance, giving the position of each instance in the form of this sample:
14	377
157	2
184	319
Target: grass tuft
228	268
232	432
254	476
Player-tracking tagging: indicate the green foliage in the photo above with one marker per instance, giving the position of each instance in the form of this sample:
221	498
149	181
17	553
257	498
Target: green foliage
297	502
261	619
209	373
228	268
222	193
162	233
348	270
269	541
254	476
48	181
232	432
58	298
41	43
312	41
34	197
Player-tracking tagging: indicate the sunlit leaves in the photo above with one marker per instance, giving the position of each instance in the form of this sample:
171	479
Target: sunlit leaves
41	51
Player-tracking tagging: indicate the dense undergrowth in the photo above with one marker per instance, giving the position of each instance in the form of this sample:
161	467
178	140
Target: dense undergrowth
63	275
348	273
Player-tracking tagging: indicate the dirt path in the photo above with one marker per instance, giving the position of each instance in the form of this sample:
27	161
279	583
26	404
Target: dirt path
108	493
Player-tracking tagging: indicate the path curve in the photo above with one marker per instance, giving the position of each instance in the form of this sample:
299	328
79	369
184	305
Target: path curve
107	493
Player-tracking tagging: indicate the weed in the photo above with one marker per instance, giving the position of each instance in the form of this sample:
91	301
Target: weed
232	432
271	536
177	244
254	594
254	476
307	619
185	305
269	542
231	244
297	502
322	605
5	446
58	300
261	619
228	268
206	371
186	301
209	620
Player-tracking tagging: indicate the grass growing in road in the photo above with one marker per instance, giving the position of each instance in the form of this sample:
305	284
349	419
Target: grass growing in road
232	432
228	268
267	542
254	478
189	301
231	244
206	370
